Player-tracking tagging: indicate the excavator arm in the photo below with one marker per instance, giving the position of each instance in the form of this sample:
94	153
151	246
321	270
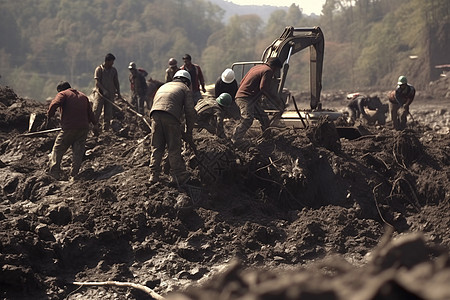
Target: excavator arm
294	40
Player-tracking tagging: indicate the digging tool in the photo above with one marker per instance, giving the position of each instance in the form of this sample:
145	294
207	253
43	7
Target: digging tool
129	108
31	122
41	132
412	118
298	112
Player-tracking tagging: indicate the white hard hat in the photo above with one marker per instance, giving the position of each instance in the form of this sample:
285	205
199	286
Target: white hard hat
228	76
172	62
132	65
182	74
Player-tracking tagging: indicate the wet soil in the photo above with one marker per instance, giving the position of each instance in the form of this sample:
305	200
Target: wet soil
295	214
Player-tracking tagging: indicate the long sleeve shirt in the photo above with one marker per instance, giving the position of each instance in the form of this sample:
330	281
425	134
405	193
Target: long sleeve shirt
76	111
175	98
405	96
257	81
197	78
222	87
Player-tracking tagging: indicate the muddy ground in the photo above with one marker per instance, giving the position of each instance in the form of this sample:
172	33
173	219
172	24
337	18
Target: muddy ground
297	214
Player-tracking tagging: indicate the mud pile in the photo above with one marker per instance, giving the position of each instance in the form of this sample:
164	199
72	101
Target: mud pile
294	215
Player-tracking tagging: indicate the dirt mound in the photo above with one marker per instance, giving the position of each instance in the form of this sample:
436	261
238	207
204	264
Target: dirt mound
300	211
387	276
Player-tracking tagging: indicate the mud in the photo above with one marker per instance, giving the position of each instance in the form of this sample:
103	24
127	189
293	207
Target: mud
296	214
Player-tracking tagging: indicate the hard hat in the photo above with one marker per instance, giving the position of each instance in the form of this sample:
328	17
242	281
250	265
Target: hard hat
182	74
224	99
228	76
172	62
132	65
402	80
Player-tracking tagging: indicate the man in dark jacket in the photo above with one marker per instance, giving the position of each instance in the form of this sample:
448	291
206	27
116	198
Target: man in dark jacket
227	83
138	87
256	82
172	101
358	105
76	114
399	101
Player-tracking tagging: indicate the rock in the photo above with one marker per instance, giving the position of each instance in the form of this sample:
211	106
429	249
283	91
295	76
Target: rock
60	214
44	233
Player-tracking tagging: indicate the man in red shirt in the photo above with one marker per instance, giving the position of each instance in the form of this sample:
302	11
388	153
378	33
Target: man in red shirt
256	82
197	77
76	114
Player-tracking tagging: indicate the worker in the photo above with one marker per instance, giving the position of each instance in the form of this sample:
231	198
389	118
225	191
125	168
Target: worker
138	87
76	114
399	101
359	103
226	83
172	69
106	89
197	77
172	102
256	82
211	113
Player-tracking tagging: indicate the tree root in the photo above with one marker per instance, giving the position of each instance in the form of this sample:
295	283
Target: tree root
378	209
140	287
282	188
415	205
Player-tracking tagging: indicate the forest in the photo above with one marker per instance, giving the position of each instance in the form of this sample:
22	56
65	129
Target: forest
368	43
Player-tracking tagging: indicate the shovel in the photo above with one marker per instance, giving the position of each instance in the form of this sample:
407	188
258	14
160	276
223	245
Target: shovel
129	108
40	132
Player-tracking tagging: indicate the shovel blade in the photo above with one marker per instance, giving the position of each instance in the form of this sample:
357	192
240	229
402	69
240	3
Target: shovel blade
31	122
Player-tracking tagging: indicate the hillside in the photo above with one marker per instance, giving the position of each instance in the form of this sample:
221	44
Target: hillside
232	9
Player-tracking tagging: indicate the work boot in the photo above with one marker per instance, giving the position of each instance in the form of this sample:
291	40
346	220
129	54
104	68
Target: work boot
55	173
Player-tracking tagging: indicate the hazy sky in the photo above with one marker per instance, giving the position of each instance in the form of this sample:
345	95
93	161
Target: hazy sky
307	6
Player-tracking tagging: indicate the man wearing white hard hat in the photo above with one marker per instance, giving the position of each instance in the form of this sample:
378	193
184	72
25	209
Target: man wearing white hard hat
226	83
173	102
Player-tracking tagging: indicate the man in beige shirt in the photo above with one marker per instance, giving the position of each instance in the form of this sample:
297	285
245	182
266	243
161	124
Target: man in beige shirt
106	89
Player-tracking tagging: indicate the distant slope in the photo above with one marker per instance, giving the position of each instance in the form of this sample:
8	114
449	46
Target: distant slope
232	9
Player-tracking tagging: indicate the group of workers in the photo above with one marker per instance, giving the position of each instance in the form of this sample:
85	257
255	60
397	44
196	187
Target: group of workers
399	102
178	107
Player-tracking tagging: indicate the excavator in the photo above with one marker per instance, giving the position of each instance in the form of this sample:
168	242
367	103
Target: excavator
284	111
